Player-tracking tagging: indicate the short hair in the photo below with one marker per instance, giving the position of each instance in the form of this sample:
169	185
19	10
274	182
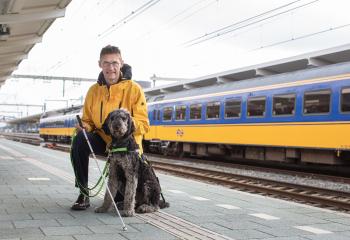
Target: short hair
109	49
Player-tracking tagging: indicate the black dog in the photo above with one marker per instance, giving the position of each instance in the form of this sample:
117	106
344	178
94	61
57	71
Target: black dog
128	172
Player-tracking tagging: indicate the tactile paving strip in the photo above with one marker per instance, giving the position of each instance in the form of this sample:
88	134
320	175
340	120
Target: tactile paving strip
179	227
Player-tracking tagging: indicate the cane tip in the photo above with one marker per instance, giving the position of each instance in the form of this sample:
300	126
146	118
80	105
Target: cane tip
124	228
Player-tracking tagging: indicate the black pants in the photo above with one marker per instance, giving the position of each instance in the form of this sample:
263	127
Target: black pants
80	156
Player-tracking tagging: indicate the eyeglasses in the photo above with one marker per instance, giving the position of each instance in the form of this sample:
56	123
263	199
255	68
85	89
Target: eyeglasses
113	64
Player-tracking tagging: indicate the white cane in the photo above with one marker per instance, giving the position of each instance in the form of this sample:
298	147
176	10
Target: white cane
98	166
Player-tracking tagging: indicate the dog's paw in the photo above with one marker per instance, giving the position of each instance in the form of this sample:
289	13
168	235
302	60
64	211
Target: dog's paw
163	204
101	210
129	213
145	208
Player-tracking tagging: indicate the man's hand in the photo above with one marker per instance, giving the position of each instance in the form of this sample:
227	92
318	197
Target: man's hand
79	128
81	125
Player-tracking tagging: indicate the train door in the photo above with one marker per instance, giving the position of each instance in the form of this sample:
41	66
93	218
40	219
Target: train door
156	122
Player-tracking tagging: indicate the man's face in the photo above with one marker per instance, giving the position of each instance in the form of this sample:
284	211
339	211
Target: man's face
111	65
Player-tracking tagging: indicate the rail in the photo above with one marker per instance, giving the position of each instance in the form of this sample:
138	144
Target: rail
30	138
310	195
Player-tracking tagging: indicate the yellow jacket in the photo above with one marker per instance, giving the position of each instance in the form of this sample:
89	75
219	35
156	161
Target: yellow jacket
100	101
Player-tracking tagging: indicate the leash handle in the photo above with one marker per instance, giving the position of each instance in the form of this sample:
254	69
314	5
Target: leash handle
79	121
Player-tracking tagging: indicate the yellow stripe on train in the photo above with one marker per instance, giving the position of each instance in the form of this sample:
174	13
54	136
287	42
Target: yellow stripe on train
56	131
304	135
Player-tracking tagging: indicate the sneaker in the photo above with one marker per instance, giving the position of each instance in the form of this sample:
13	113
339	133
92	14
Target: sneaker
82	203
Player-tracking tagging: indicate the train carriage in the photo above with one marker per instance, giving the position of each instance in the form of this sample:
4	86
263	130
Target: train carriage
299	116
59	125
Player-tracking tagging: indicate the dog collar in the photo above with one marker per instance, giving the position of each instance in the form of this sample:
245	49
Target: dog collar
123	149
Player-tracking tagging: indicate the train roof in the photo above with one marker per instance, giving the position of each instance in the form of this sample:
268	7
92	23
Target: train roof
28	119
326	71
264	71
62	111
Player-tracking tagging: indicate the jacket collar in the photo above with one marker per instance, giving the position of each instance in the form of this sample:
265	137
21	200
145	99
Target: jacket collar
126	75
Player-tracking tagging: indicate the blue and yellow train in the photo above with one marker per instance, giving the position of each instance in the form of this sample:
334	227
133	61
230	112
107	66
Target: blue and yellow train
301	116
58	126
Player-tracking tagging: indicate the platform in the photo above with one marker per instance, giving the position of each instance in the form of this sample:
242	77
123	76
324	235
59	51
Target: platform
37	190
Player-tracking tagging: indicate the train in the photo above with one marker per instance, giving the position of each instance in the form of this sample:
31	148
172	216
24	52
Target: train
299	117
59	125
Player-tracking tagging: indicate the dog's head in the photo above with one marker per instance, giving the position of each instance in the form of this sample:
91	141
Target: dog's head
119	124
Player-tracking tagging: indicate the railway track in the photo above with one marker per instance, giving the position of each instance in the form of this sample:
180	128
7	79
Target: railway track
320	197
30	138
311	195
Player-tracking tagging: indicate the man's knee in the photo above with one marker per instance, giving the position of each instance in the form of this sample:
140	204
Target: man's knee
80	145
80	139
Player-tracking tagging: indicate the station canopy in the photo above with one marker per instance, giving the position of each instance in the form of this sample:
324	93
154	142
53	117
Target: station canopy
22	25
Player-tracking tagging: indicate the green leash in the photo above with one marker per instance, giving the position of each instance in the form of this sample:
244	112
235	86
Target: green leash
83	189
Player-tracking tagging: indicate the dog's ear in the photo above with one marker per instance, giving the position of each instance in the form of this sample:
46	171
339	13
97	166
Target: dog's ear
105	127
131	126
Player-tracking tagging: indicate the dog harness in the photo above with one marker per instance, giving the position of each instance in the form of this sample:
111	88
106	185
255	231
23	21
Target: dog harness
124	150
119	150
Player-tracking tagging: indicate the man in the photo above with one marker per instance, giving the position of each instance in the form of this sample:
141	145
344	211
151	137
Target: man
112	91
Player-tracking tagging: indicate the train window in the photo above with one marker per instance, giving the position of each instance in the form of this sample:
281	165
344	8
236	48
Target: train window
283	104
345	100
256	106
317	102
180	112
167	113
196	111
213	110
233	108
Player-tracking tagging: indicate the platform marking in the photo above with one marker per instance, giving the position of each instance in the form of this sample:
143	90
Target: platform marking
12	152
175	191
227	206
264	216
199	198
48	168
6	157
313	229
39	179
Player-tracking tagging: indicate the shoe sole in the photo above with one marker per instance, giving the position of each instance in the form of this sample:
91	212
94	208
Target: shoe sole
78	208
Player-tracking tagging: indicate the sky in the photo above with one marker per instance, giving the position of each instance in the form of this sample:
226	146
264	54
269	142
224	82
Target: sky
173	39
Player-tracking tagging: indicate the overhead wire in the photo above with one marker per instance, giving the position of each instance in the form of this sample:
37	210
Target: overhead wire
185	10
168	24
302	37
242	21
196	11
114	26
221	31
128	18
211	35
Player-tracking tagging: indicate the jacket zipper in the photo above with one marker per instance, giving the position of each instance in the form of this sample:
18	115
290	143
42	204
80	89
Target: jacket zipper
101	112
